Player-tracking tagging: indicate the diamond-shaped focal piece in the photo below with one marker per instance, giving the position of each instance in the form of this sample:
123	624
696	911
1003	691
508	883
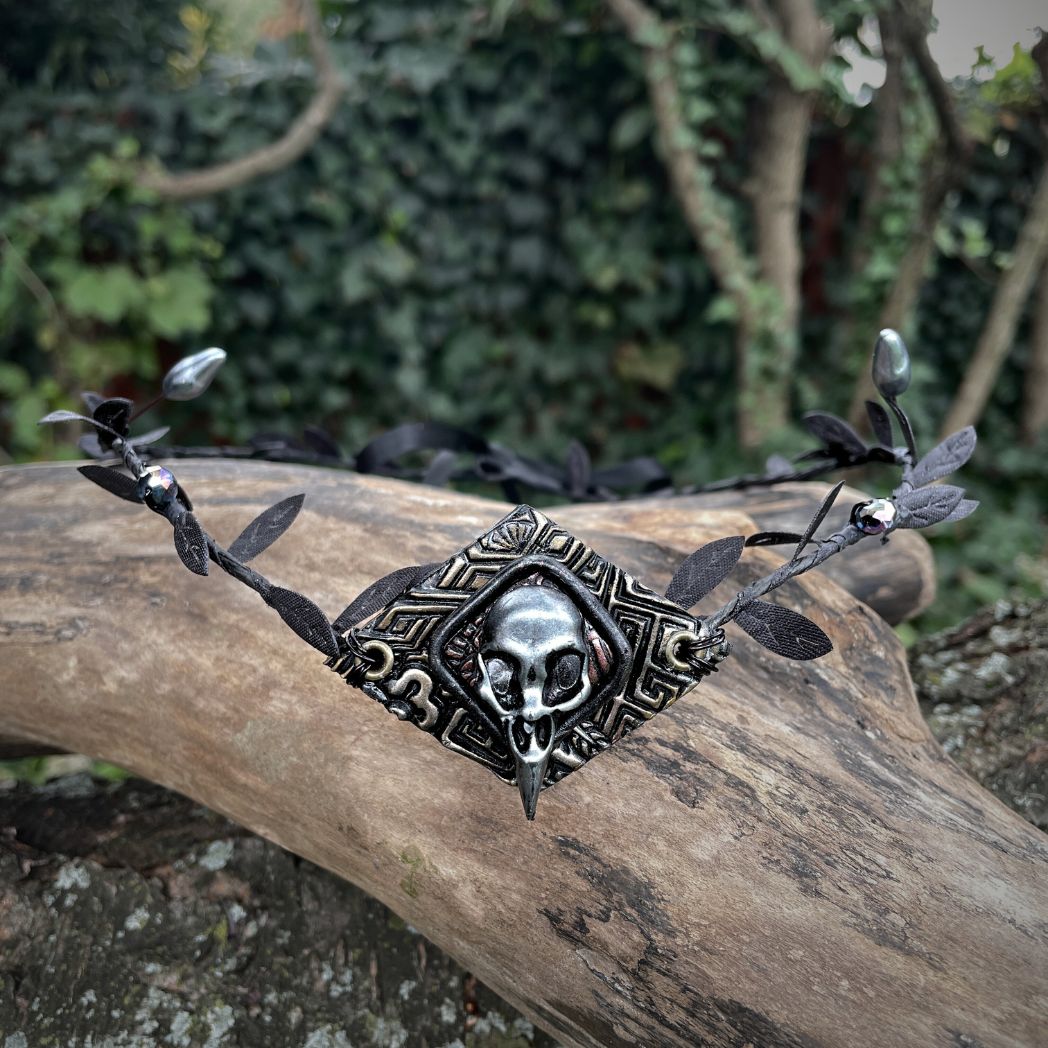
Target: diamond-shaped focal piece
528	652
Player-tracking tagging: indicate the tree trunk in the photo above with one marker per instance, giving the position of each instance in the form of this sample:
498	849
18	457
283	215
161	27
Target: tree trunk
780	153
785	857
1035	390
763	345
887	142
1013	289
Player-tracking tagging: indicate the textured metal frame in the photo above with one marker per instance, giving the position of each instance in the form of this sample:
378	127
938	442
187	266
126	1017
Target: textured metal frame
419	646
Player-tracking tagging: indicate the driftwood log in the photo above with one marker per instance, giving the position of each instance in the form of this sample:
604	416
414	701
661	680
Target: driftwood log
784	858
168	919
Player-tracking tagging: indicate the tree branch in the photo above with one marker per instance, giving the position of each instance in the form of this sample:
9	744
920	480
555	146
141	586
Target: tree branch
887	144
759	365
794	57
946	170
1035	393
801	815
915	35
780	153
36	287
692	182
298	138
1012	292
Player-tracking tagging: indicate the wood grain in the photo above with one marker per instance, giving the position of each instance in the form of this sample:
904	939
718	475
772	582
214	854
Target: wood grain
783	858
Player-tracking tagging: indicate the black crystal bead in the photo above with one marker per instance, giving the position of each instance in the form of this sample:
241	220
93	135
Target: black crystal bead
157	487
875	517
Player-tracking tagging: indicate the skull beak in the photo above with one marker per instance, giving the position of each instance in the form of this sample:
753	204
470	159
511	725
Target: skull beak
531	743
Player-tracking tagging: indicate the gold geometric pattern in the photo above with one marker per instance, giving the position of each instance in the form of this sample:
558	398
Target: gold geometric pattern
629	626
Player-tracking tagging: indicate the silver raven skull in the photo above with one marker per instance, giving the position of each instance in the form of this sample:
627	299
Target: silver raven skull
534	669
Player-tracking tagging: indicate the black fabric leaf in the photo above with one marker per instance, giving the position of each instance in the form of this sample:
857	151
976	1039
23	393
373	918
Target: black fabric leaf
145	439
923	507
820	516
380	593
64	416
579	469
116	483
439	471
91	400
944	458
783	631
272	442
72	416
880	423
89	445
265	529
642	473
877	454
818	455
381	454
704	570
833	432
190	543
905	425
964	508
320	442
114	413
305	618
773	538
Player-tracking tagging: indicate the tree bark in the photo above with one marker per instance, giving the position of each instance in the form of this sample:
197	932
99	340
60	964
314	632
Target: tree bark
984	688
783	858
180	928
1035	390
780	153
887	142
1013	289
762	343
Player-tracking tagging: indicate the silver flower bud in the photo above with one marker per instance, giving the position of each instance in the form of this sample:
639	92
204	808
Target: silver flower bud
192	375
891	364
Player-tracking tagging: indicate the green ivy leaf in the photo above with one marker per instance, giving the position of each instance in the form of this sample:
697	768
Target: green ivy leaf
658	366
106	293
179	301
421	67
631	128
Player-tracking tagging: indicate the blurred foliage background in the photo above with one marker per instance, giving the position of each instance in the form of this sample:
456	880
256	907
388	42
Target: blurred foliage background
537	219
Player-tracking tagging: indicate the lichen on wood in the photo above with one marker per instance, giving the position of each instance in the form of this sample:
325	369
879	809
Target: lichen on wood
131	917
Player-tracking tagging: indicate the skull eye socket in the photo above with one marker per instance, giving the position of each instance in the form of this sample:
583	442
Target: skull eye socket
502	673
564	675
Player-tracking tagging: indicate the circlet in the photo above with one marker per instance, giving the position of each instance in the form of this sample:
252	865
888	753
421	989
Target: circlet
527	651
